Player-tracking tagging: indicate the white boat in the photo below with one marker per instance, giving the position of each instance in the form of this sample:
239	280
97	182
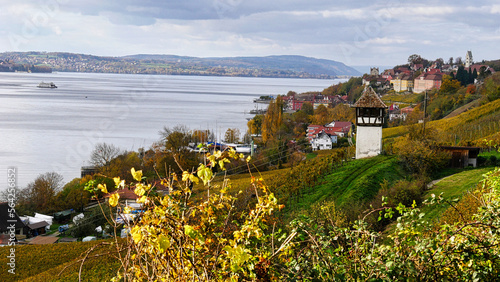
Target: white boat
46	85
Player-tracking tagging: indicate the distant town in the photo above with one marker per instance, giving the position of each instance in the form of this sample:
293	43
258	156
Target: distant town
420	75
271	66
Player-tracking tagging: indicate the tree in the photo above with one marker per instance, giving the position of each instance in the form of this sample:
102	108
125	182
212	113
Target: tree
121	165
321	115
255	125
103	153
202	136
449	85
458	61
439	62
73	196
176	139
450	61
462	75
414	59
342	112
417	152
308	108
232	135
272	120
299	122
39	195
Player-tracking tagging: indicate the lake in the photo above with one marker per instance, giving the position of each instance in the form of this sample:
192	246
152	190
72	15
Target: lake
47	130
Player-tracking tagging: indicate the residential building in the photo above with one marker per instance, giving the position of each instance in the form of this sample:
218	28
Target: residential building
339	128
8	219
323	141
477	68
403	82
321	137
427	81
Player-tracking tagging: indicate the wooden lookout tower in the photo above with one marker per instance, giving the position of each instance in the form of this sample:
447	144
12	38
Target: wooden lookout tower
370	112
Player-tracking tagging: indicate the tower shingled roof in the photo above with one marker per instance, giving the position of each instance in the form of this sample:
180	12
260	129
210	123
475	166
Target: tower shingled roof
369	99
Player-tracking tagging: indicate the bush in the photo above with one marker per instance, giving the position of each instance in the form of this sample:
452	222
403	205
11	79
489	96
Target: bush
418	157
493	160
481	161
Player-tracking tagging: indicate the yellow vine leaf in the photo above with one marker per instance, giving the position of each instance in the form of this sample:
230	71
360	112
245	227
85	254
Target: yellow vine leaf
188	176
119	183
136	234
221	163
137	175
163	243
238	256
205	173
141	199
103	188
185	175
113	200
139	189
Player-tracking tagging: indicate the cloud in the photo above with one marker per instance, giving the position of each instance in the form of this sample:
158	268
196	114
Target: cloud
355	32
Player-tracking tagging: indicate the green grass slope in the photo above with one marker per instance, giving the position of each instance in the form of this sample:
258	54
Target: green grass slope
453	187
350	185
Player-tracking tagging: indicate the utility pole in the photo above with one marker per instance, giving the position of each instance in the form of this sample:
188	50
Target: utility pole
425	108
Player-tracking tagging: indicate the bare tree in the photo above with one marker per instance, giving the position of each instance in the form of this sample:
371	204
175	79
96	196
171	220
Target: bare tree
39	195
232	135
103	153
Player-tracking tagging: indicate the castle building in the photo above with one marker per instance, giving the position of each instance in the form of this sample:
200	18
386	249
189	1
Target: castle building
370	112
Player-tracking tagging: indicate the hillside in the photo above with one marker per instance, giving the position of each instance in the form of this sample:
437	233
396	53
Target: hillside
466	128
270	66
298	64
60	262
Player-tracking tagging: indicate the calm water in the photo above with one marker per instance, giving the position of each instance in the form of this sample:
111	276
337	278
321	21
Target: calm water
55	129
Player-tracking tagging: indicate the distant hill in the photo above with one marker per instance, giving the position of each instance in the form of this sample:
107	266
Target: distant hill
271	66
299	64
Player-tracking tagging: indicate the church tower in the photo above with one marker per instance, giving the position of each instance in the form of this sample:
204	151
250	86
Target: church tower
468	59
370	112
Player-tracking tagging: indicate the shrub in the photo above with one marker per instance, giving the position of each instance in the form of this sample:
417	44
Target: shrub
481	160
418	157
178	239
493	160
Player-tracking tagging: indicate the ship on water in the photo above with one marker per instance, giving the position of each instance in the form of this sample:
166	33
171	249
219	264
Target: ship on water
46	85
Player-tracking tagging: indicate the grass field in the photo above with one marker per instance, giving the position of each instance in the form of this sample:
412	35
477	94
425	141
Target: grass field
59	262
453	187
350	185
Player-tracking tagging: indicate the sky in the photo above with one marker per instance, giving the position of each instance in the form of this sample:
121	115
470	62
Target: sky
353	32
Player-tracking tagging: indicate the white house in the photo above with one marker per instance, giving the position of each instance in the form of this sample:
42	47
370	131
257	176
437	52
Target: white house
323	141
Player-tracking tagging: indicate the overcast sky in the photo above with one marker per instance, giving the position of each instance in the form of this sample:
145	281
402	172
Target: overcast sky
352	32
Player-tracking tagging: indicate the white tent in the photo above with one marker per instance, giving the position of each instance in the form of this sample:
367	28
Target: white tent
33	220
46	218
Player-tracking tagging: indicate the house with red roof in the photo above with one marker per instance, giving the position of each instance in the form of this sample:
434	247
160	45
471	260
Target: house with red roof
321	137
428	80
477	68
